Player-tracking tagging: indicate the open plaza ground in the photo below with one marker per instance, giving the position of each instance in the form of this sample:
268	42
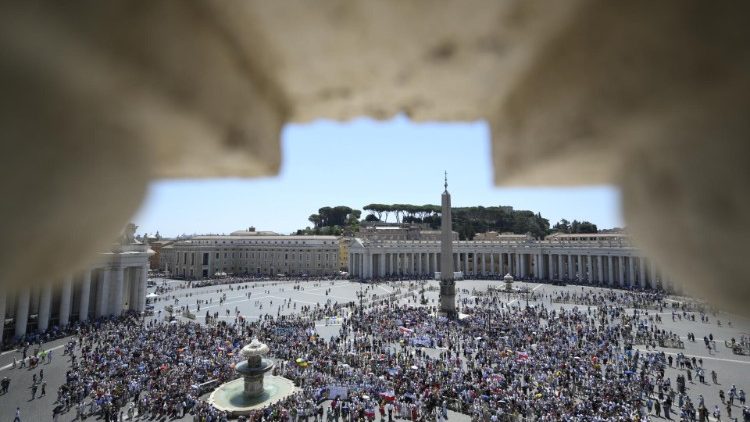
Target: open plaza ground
393	325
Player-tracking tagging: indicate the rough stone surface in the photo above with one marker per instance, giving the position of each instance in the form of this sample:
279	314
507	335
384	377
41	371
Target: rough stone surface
101	97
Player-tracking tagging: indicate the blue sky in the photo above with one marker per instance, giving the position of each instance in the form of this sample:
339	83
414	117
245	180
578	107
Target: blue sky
357	163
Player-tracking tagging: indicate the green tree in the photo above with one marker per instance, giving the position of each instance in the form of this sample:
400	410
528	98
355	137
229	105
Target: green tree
563	226
315	219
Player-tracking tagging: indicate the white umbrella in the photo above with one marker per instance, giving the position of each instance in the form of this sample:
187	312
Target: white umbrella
152	295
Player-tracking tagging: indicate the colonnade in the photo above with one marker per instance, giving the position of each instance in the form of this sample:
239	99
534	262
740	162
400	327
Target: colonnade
99	292
623	269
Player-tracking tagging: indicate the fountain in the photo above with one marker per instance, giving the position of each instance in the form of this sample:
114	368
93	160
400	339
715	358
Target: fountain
508	282
254	390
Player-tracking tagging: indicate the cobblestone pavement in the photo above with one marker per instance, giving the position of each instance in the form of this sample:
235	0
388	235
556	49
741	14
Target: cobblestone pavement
731	369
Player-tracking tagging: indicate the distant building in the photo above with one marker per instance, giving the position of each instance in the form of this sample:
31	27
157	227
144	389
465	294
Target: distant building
401	250
510	237
395	231
250	252
156	246
344	253
620	238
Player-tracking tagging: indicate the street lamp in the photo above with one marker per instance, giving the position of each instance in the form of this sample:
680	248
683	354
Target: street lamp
527	296
361	296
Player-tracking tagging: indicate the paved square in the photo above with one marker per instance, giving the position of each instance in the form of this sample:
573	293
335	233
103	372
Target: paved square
253	301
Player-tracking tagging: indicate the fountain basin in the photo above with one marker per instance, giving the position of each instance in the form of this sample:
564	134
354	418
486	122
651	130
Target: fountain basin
231	398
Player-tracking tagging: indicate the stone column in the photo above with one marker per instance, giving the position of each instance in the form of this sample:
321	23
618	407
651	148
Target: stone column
22	312
511	264
559	267
45	306
492	263
581	268
621	266
652	274
542	266
521	269
83	304
571	268
631	271
526	265
102	293
610	271
66	295
538	266
589	269
142	287
600	268
381	265
2	314
539	270
641	272
116	291
133	283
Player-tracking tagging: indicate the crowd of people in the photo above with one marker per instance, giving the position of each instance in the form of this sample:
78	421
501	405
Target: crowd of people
500	362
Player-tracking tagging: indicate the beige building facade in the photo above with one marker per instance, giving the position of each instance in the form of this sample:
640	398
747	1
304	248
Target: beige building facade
252	253
596	259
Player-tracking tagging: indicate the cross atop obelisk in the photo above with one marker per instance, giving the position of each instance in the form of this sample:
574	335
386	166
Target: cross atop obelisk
447	284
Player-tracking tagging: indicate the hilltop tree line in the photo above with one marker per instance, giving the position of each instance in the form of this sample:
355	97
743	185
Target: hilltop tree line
467	221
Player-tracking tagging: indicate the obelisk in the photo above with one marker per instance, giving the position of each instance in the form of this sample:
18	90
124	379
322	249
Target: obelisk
447	284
